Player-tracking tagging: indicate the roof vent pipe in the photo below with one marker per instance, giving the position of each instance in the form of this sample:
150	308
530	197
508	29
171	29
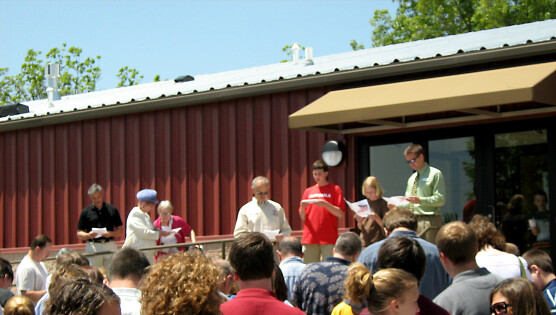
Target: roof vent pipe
52	73
309	56
295	51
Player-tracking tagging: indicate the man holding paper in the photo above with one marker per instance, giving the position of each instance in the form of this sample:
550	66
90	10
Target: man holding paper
98	224
425	192
320	207
262	214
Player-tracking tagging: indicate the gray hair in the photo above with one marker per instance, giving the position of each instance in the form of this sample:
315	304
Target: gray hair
94	189
348	244
263	179
165	204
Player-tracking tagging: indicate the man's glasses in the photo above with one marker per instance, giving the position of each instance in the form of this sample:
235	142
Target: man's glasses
413	160
499	308
260	193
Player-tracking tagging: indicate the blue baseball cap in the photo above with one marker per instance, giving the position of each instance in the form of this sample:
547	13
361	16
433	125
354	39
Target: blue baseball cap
147	195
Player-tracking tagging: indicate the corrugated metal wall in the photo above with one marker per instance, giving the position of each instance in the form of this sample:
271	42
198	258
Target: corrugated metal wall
202	158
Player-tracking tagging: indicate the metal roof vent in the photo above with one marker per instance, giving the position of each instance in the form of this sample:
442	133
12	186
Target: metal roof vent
184	78
309	56
52	73
295	53
13	109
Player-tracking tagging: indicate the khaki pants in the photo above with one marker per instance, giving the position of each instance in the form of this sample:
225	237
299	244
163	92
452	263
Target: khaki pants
100	260
428	226
316	252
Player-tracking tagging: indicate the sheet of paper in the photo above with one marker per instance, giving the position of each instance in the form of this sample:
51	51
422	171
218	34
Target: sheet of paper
176	230
99	231
271	234
397	201
310	200
361	207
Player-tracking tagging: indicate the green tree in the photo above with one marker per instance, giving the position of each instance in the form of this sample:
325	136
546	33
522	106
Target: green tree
423	19
77	75
130	76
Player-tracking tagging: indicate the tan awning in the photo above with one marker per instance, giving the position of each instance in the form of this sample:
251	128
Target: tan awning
519	90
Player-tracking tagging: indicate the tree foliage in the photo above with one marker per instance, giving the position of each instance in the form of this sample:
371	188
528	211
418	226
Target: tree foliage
129	77
423	19
77	75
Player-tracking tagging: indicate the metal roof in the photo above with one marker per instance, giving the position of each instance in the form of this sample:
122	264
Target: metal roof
492	39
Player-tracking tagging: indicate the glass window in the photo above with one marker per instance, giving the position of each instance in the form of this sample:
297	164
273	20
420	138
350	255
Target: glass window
387	163
455	159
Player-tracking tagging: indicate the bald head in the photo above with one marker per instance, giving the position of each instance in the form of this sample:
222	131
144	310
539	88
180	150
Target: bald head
261	188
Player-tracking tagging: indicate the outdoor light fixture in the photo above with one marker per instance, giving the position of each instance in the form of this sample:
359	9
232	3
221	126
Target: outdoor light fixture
333	153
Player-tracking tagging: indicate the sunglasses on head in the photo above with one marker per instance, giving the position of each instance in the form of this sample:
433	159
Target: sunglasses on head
499	308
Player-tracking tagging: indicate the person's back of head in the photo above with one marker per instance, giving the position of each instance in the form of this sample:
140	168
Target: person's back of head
252	256
6	271
379	290
81	296
182	283
402	253
348	245
279	286
522	295
127	263
517	204
290	246
540	259
226	274
70	258
486	232
19	305
458	242
399	218
40	241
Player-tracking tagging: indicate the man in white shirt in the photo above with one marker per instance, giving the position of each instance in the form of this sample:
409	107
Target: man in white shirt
125	271
30	276
261	214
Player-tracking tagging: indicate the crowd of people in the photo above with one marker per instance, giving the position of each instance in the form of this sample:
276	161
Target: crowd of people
398	260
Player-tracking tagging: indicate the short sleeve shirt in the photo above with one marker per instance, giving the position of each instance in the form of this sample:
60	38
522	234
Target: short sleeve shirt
93	217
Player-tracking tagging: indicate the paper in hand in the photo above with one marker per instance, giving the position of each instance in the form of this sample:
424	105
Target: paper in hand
99	231
397	201
271	234
361	207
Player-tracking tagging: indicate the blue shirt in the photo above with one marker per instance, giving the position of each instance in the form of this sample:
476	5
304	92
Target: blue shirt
321	286
550	295
435	279
291	267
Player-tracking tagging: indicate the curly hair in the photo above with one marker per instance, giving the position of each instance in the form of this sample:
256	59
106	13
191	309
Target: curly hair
183	283
486	232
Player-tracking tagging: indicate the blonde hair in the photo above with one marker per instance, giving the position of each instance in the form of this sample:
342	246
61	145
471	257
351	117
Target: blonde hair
183	283
372	181
165	204
19	305
379	289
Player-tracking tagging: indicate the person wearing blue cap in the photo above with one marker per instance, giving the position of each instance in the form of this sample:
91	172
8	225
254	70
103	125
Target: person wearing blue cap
140	231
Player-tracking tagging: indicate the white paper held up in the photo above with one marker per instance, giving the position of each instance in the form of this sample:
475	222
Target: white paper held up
271	234
397	201
361	207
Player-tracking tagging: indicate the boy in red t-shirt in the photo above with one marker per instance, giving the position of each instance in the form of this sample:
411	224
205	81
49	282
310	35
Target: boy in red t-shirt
320	208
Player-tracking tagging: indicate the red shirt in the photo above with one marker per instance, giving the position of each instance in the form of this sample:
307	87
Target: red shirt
321	226
257	302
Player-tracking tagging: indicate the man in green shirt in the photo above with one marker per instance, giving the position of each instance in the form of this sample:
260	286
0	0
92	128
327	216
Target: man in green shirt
426	193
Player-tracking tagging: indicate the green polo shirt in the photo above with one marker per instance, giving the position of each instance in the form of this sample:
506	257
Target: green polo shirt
431	189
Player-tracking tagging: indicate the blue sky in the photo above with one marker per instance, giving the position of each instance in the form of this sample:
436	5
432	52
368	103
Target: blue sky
174	38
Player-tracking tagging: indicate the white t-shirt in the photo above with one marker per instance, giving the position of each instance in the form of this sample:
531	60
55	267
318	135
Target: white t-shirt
504	264
129	300
30	275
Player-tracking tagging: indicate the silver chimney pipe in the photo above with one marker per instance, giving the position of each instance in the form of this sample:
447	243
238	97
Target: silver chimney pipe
52	73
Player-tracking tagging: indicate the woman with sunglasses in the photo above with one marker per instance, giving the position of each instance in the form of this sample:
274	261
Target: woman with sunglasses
517	296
